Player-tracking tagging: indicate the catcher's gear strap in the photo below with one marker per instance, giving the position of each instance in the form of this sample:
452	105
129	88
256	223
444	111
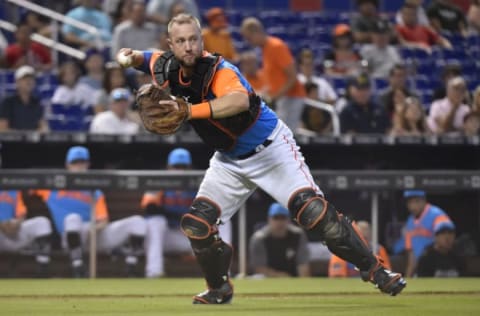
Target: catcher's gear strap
341	236
200	222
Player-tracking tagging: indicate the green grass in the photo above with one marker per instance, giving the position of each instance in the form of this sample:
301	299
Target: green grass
275	297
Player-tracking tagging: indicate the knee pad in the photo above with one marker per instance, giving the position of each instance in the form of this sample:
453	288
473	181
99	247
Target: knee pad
308	208
200	222
73	240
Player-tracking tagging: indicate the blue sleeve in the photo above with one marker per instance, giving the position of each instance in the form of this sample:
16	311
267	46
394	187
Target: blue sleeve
105	27
145	67
67	28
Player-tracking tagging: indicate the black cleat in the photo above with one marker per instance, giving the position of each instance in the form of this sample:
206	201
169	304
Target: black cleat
385	280
222	295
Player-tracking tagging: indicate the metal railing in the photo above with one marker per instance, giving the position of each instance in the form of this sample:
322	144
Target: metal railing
48	42
56	18
327	108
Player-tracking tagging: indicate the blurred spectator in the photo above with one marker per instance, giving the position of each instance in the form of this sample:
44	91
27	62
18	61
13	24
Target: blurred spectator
71	92
397	80
88	13
340	268
254	76
115	121
94	66
26	52
163	211
449	72
473	17
314	119
134	32
17	233
38	24
422	18
364	21
396	102
445	16
414	35
476	100
22	111
160	11
441	258
279	249
114	77
280	72
409	119
117	10
424	219
326	93
343	59
71	212
362	114
381	56
216	36
447	115
471	124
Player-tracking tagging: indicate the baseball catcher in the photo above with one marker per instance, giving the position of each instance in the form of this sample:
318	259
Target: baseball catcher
253	149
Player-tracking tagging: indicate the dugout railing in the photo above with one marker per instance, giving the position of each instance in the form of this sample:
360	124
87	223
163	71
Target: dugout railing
374	181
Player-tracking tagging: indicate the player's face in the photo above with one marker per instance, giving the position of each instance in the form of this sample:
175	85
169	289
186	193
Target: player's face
78	166
186	43
416	205
278	225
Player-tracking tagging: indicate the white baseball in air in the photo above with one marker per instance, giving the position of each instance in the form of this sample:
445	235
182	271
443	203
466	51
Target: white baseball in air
123	60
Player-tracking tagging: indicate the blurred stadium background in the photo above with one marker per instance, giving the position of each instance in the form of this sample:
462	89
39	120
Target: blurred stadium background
451	160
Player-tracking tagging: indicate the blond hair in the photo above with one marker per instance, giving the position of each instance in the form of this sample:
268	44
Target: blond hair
183	18
251	25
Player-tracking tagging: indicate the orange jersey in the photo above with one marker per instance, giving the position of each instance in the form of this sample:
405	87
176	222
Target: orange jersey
220	43
276	58
340	268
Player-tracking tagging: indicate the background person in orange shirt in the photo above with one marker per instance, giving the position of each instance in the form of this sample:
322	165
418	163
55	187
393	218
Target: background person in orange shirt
340	268
216	37
249	68
70	212
280	72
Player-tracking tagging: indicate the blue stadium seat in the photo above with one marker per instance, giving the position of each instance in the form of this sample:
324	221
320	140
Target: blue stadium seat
380	84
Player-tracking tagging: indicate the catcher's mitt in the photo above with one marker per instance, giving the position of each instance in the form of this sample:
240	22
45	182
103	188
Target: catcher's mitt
161	118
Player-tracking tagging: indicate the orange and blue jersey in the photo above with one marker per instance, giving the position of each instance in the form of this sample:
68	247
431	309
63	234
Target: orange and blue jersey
419	232
228	79
338	267
62	203
173	204
11	205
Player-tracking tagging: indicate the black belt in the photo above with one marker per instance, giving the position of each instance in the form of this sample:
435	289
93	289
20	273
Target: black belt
257	149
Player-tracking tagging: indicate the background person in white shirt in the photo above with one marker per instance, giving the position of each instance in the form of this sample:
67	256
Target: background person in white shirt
447	115
115	120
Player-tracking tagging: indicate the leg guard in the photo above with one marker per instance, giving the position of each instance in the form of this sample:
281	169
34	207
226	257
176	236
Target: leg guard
314	213
213	255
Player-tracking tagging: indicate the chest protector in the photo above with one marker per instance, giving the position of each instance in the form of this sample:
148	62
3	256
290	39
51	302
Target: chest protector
221	134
